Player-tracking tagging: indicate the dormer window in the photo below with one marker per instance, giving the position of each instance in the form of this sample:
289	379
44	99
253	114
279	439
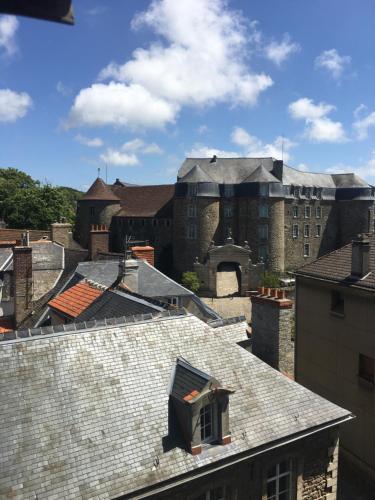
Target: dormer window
263	189
192	189
201	406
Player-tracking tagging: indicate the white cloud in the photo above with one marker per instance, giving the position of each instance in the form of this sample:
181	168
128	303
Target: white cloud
303	167
119	105
365	170
359	110
8	29
63	89
319	128
13	105
119	158
278	52
174	71
362	125
253	147
331	61
94	142
141	147
201	151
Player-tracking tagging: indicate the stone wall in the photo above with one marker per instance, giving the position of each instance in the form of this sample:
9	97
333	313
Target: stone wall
22	282
91	212
355	217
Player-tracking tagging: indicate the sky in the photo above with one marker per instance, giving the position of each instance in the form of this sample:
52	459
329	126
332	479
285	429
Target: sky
136	86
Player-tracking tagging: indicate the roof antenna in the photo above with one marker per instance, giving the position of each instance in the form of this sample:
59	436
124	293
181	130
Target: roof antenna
282	148
106	173
98	172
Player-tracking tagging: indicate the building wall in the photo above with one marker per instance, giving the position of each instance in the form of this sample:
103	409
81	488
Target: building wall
314	473
327	357
355	217
91	212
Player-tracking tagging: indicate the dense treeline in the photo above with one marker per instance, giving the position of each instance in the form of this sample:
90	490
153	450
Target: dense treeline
27	203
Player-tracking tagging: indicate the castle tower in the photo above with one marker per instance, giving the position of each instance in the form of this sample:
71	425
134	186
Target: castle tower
96	207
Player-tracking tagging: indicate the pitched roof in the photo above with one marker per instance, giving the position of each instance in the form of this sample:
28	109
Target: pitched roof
336	266
16	234
6	325
115	303
99	190
145	201
76	299
104	394
261	174
46	256
188	381
197	174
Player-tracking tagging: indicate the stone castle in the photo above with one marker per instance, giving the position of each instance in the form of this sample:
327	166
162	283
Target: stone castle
282	216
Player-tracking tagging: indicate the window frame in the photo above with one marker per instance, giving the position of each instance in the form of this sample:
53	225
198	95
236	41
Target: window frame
363	373
306	231
228	190
276	479
318	232
191	234
337	303
263	211
263	232
192	189
192	210
211	410
307	212
306	245
318	210
263	189
228	211
295	234
295	211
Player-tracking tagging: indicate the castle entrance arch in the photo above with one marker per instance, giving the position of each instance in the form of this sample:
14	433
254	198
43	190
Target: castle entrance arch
228	279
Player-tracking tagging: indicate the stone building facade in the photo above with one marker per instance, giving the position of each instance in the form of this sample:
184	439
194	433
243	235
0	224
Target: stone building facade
288	217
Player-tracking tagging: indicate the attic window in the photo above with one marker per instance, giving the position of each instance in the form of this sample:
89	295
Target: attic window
207	416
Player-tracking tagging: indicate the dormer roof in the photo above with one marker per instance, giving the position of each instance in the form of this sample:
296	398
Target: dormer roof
188	382
261	174
99	190
197	174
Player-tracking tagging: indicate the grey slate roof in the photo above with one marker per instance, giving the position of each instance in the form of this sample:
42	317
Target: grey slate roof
196	174
186	379
103	272
115	303
6	256
234	329
46	255
261	174
84	414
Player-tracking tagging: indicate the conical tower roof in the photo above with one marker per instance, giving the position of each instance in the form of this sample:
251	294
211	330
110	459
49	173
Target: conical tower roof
261	174
99	190
197	174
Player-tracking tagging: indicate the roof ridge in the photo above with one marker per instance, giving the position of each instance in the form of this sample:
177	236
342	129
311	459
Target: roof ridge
323	257
68	328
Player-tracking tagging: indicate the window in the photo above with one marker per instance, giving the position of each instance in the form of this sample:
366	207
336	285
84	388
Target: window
295	211
192	189
366	368
306	231
173	301
337	302
228	190
263	210
308	192
318	212
319	193
92	211
263	231
192	210
207	414
307	212
262	253
213	494
192	232
228	211
306	250
296	191
130	222
263	189
279	481
295	231
318	231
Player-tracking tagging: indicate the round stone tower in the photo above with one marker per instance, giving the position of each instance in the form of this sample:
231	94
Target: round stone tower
276	257
97	206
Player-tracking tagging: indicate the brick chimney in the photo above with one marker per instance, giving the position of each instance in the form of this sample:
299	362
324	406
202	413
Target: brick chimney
22	282
146	253
99	241
61	232
272	324
360	256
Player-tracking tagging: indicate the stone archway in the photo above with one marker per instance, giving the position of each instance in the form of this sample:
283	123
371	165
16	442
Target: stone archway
228	279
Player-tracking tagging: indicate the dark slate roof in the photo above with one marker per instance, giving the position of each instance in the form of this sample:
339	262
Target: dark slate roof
6	256
115	303
103	272
235	329
46	256
187	380
145	201
196	174
336	266
294	177
261	174
348	181
99	190
85	414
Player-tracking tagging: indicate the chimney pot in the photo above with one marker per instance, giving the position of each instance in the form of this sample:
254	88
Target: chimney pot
360	256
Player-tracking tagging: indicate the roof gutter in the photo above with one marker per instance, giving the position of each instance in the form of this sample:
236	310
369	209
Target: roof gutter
237	459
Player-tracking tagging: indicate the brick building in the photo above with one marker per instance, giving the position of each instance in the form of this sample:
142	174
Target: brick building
146	408
287	217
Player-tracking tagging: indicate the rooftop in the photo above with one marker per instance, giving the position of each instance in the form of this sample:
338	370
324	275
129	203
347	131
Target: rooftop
99	190
86	415
76	299
145	201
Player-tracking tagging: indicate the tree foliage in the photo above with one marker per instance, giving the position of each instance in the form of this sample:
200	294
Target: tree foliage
270	280
191	281
26	203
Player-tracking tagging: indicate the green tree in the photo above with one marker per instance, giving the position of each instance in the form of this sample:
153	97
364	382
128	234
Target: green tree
191	281
270	280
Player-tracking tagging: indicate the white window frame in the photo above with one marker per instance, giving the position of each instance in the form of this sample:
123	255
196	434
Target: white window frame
295	231
306	246
191	231
307	211
318	212
211	411
173	301
318	231
306	231
276	479
295	211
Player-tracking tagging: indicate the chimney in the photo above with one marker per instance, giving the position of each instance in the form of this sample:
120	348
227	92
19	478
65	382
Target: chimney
128	274
99	241
146	253
360	256
278	167
272	329
22	282
61	232
213	159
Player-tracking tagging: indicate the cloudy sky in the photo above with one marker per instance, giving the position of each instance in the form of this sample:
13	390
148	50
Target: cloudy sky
138	85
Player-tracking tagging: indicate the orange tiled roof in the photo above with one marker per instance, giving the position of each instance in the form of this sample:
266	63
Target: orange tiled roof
6	325
75	300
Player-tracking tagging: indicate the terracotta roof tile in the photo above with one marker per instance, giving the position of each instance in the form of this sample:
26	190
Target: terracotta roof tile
6	325
76	299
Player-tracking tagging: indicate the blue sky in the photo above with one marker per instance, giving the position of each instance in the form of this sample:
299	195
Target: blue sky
139	85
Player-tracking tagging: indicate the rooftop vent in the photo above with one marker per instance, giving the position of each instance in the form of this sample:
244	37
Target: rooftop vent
360	256
213	159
